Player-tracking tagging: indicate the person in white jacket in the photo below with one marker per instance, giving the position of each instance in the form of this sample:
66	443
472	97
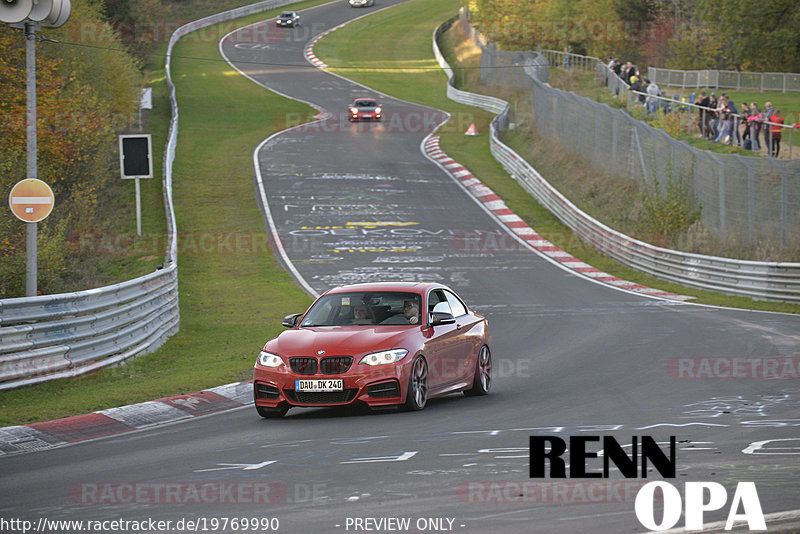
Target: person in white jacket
652	91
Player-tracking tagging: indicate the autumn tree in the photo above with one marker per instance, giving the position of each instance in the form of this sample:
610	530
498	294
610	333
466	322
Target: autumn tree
84	95
739	35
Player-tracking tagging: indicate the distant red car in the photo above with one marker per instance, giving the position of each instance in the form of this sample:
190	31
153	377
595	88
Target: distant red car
365	109
380	345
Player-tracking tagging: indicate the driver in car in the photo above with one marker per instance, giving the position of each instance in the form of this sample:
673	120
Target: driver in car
411	311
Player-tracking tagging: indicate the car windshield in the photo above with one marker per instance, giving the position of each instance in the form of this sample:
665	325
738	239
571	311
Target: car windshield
287	14
365	103
364	308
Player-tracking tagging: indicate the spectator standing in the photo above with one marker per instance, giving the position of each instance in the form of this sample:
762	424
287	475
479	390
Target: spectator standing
652	92
637	86
744	114
609	66
755	125
567	52
723	113
776	132
768	112
704	117
712	106
733	128
628	72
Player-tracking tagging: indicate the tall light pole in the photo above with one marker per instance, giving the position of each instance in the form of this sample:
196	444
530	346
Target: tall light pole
31	228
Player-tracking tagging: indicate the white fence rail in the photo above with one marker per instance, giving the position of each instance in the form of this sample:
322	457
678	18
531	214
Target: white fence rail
65	335
726	79
761	280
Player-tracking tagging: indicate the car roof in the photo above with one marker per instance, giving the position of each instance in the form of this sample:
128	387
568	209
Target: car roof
368	99
412	287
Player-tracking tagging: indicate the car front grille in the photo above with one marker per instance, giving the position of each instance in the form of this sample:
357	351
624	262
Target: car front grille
303	365
384	390
264	391
321	397
335	365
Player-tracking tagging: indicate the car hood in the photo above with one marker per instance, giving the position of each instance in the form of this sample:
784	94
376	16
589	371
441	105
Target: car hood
340	340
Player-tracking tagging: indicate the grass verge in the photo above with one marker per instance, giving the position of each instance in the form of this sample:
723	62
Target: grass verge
233	292
412	28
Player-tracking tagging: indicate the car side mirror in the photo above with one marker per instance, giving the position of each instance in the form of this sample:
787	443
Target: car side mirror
438	318
290	321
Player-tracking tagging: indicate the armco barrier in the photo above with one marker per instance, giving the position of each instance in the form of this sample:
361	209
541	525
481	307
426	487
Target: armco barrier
57	336
760	280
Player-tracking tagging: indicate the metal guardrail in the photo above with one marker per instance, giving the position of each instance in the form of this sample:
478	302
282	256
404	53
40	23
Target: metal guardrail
65	335
58	336
726	79
760	280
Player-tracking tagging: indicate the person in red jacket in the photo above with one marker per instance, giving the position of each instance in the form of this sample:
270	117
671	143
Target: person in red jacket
776	132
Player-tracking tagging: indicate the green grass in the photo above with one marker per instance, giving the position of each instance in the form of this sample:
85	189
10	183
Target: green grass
410	26
232	299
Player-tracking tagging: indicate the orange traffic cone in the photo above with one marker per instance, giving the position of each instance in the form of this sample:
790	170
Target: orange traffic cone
471	130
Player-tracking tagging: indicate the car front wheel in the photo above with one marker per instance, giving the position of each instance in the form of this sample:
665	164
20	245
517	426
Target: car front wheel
482	382
417	395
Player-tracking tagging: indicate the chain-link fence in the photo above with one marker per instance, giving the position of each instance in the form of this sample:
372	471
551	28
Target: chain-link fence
742	199
726	79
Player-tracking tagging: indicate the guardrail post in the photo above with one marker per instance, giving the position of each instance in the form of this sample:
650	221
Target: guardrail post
722	200
784	205
751	203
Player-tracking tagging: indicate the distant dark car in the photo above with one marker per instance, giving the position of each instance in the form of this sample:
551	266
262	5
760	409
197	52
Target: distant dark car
288	18
381	345
365	109
361	3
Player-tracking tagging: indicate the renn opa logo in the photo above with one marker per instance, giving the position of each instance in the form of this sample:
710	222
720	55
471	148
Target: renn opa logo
584	463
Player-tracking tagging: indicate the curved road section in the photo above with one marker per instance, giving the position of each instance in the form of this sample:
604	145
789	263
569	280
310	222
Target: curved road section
359	202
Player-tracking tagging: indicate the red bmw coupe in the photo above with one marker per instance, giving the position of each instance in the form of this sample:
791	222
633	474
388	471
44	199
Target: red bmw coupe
380	345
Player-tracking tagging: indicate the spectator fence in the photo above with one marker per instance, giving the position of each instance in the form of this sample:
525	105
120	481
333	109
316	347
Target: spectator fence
619	144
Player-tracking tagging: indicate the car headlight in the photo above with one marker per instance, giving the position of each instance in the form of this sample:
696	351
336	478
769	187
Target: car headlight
378	110
269	360
384	357
353	111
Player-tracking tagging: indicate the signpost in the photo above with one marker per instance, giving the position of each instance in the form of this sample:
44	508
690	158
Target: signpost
135	162
31	200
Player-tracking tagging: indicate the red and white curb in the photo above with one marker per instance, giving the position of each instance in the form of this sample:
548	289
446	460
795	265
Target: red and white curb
308	51
515	224
49	434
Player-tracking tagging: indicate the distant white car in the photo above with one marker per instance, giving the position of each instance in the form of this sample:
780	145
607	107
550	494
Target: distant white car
361	3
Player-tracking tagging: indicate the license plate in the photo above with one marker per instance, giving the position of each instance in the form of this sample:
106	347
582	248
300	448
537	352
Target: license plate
319	385
367	115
